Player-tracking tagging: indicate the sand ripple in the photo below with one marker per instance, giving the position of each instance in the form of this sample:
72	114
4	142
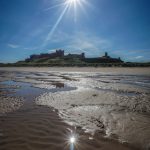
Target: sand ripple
41	128
117	116
9	104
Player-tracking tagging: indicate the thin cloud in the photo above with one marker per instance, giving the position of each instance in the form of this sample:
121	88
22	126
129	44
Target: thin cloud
13	46
88	43
139	57
81	42
60	36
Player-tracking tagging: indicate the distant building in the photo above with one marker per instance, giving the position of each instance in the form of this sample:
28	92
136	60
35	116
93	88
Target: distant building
58	53
104	59
79	56
106	55
107	59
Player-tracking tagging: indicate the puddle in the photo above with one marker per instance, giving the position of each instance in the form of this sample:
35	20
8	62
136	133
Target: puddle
24	89
29	92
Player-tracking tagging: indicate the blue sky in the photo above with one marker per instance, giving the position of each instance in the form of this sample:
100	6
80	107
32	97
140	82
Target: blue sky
120	27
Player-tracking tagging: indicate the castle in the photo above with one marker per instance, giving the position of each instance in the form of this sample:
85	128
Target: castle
104	59
60	54
108	59
79	56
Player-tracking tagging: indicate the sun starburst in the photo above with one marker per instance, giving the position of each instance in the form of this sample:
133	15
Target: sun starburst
69	5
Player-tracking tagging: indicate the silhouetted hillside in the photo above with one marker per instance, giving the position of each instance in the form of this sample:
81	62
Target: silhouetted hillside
58	58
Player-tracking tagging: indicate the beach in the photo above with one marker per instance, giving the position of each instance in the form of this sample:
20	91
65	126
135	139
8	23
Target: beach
105	108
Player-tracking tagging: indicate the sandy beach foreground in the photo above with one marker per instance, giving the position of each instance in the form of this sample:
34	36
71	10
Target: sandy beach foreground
104	108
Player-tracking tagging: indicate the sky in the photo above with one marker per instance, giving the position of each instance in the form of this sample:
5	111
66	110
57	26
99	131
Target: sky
119	27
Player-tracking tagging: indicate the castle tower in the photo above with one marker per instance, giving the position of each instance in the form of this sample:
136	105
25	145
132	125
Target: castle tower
106	54
83	55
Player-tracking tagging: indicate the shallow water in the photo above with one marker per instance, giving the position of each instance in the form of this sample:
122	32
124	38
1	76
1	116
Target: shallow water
24	89
29	92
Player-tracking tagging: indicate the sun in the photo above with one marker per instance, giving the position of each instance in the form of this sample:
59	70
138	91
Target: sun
72	1
72	139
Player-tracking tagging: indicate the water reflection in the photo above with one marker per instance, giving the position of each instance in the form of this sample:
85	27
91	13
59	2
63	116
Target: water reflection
58	84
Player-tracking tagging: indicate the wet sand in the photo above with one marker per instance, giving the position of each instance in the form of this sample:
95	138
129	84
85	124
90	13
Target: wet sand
114	70
39	128
34	126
